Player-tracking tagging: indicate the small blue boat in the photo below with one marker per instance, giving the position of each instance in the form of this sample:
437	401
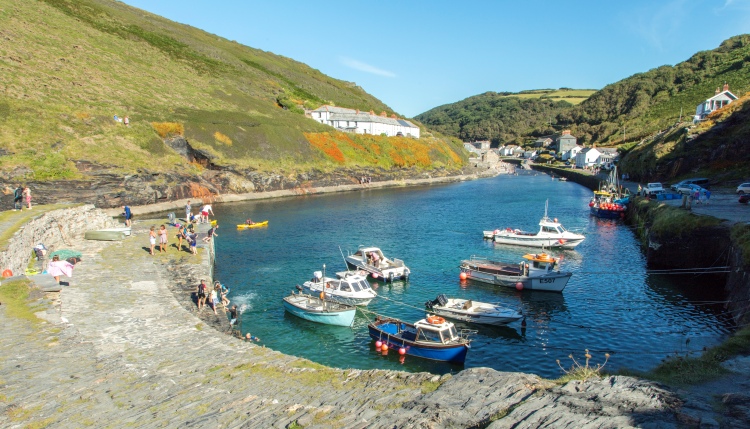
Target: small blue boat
430	338
318	310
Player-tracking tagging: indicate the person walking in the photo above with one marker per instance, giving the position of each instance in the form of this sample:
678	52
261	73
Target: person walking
708	196
27	196
128	215
163	238
188	211
152	239
127	121
18	198
201	294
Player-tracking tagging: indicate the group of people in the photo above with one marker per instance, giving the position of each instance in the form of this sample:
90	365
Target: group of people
21	197
216	296
124	120
201	217
365	180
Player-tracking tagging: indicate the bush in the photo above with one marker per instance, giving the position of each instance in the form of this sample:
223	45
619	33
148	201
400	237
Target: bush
168	129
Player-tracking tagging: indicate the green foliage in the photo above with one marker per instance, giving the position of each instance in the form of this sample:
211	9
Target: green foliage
499	117
648	102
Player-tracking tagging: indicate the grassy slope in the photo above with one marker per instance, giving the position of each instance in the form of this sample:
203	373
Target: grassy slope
572	96
66	67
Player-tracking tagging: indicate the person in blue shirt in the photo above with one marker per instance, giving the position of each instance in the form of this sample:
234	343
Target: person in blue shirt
128	215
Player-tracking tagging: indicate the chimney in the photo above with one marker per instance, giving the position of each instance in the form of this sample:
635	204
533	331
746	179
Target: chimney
358	111
372	112
394	116
726	86
566	132
717	91
383	114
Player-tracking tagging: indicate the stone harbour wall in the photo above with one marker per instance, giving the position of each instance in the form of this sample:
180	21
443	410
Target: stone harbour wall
55	229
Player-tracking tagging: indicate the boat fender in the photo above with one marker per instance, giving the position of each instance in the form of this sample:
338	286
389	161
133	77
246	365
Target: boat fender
508	229
435	320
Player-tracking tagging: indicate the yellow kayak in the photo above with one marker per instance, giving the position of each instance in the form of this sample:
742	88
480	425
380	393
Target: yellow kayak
254	225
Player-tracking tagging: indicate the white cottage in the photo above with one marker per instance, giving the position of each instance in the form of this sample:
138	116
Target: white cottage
719	100
354	121
587	157
571	153
607	157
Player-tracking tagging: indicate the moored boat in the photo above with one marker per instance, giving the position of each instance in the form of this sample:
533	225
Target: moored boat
373	261
537	273
315	309
350	287
126	230
467	310
252	225
430	338
551	235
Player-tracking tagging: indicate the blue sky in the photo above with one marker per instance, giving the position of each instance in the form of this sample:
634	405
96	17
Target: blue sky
416	55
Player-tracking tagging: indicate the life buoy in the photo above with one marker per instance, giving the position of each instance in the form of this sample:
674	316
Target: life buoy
435	320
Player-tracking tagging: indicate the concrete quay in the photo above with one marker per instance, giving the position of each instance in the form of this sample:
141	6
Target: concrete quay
123	346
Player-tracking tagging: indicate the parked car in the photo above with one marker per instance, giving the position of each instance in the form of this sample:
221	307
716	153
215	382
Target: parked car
743	189
700	181
744	198
652	188
690	189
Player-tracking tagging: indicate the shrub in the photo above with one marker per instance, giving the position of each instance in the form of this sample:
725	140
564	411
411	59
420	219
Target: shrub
167	129
222	138
582	372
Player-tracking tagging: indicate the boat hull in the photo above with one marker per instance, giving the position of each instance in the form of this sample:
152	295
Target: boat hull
553	282
534	241
255	225
474	318
438	352
336	318
606	214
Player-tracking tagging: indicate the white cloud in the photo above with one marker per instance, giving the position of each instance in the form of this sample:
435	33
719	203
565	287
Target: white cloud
367	68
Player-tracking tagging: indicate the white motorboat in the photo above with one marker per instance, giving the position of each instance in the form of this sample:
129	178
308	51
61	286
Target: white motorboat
349	287
539	274
372	260
467	310
551	235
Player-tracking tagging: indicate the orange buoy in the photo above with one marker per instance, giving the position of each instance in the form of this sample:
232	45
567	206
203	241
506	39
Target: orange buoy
7	273
462	276
519	286
322	295
384	347
402	351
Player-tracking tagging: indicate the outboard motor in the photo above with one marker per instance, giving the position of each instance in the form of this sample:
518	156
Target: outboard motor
442	299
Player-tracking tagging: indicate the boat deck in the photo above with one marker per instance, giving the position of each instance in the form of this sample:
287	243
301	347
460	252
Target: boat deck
493	268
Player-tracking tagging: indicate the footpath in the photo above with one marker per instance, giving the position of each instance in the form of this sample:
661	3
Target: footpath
123	346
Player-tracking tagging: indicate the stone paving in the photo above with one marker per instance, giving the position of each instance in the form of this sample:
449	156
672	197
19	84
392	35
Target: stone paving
120	347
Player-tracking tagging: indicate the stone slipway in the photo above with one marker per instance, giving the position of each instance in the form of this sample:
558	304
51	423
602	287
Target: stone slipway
118	349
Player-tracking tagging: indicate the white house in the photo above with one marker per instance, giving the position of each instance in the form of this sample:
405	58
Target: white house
508	150
607	157
587	157
571	153
719	100
530	154
354	121
518	151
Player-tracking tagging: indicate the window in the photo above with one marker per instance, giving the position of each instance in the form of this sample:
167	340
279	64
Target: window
429	335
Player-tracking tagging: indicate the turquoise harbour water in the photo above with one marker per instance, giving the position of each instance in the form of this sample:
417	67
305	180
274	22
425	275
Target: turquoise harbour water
611	303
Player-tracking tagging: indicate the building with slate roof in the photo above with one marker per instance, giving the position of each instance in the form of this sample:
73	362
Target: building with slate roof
354	121
719	100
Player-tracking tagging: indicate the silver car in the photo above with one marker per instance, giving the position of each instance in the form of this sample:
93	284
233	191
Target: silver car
743	189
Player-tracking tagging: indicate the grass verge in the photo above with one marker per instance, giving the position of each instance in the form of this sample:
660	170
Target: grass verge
14	296
686	370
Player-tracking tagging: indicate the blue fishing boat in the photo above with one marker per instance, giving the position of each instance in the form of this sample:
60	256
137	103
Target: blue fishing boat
319	310
430	338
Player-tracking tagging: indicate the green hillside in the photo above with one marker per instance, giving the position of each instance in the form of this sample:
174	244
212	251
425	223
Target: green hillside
503	117
67	67
646	103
